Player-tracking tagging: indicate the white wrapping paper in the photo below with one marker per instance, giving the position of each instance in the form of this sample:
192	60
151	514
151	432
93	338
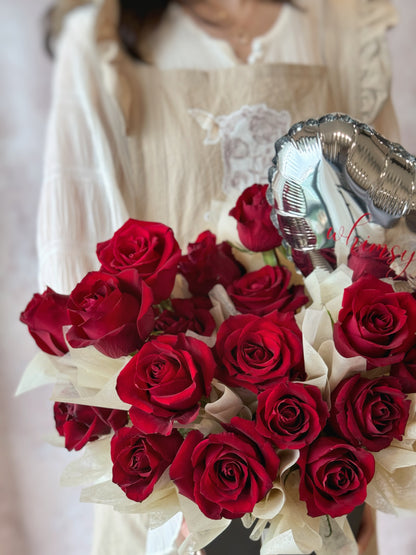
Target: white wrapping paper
41	370
392	490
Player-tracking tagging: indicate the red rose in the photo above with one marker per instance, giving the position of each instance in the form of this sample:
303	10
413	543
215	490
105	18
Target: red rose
303	262
82	423
207	264
148	247
165	381
375	322
187	314
112	312
44	316
291	414
369	413
405	372
256	352
370	259
139	460
334	476
254	226
265	291
225	474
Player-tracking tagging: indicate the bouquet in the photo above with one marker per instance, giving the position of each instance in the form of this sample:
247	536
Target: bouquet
246	397
235	381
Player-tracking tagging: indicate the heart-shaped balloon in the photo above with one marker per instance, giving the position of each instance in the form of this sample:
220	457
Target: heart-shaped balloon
336	180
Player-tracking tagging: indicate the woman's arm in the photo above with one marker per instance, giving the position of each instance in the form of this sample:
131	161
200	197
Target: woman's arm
80	202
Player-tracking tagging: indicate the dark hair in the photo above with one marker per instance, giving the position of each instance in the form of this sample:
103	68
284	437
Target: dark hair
137	17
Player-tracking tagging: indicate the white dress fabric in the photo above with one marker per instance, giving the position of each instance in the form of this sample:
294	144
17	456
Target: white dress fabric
160	141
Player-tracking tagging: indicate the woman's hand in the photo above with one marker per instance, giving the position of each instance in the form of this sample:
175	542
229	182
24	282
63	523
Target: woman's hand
367	529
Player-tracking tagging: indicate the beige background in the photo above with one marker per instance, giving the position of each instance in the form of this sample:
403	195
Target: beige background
37	517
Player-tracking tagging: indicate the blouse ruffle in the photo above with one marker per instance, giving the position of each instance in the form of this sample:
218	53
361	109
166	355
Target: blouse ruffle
374	18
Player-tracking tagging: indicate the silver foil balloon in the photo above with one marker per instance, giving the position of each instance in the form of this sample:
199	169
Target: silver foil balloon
336	179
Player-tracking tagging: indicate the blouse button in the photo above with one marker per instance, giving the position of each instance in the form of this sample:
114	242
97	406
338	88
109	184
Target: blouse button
257	52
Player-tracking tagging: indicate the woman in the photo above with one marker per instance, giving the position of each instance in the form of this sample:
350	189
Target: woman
161	107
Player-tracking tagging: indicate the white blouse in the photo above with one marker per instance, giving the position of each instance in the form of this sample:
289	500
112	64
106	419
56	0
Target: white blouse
87	167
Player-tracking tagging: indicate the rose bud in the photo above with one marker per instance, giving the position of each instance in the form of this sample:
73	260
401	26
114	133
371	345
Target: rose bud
369	259
375	322
79	424
165	381
150	248
334	476
266	290
139	460
256	352
405	372
187	314
254	226
369	413
207	264
45	315
291	414
225	474
112	312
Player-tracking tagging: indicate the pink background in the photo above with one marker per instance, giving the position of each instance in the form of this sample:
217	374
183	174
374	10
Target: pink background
37	516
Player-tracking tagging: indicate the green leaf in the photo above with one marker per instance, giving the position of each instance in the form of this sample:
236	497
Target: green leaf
270	258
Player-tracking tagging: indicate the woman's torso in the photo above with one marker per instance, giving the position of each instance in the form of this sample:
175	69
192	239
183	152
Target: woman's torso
203	134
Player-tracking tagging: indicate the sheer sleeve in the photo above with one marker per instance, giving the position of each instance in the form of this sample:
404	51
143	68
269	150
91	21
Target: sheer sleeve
376	17
357	55
87	179
81	201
